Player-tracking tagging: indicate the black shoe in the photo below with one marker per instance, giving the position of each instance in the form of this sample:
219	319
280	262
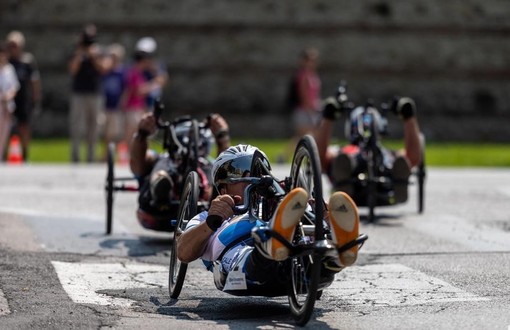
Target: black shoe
331	109
404	107
400	173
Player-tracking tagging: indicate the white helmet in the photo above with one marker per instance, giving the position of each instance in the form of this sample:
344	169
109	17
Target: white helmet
235	162
147	45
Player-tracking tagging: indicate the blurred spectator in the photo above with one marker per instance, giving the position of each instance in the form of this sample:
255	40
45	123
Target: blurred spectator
156	72
86	67
137	90
29	93
114	82
304	97
9	85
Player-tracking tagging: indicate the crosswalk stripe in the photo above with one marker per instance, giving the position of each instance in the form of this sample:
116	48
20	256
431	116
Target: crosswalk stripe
394	285
377	285
83	281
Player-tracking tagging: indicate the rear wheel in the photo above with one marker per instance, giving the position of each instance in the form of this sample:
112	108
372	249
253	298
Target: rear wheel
421	177
305	269
110	160
187	210
371	186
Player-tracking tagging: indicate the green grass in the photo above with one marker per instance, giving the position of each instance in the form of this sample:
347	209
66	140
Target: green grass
437	154
49	151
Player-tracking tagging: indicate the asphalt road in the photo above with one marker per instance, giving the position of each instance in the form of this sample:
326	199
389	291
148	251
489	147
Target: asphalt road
448	268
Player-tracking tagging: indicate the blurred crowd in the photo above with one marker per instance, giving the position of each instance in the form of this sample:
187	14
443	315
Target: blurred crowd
20	92
109	93
106	86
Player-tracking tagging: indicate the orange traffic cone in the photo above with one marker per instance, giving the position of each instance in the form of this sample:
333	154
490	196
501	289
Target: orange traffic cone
123	153
15	155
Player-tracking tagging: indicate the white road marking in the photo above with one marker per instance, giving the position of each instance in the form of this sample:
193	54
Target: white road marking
393	285
19	211
381	285
82	281
4	306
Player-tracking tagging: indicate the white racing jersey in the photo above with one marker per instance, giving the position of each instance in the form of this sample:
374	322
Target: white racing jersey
233	233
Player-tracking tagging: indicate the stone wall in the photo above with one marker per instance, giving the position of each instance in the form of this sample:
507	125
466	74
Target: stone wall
236	57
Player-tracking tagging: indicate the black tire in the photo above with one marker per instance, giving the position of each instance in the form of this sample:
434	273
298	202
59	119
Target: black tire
305	269
421	175
187	210
371	185
110	160
193	146
306	172
421	188
259	166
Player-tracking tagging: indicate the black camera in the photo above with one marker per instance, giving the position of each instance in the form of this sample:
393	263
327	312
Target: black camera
87	39
88	35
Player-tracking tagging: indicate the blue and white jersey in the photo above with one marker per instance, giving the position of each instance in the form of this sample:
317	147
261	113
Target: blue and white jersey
232	231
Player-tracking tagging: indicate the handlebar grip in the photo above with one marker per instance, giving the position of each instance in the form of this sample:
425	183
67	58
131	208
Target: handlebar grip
158	109
207	121
240	209
262	185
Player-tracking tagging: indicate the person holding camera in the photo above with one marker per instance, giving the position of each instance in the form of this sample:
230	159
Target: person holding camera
86	68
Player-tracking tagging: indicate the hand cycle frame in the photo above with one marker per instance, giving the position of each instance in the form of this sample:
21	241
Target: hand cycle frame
309	244
186	154
367	185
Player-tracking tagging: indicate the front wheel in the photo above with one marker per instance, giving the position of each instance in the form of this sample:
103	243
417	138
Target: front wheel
187	210
193	145
305	269
304	282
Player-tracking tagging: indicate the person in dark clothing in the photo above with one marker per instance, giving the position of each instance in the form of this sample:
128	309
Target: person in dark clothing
158	173
86	67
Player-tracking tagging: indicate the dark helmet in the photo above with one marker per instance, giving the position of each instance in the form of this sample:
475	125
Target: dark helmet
355	125
205	138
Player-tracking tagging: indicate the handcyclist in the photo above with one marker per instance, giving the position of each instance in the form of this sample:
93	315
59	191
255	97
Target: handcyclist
158	174
225	244
340	163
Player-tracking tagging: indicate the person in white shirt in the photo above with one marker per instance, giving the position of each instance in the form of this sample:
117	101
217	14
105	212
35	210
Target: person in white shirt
9	86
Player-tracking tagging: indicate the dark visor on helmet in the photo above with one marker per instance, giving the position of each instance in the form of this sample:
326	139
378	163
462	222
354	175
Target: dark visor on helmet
235	168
